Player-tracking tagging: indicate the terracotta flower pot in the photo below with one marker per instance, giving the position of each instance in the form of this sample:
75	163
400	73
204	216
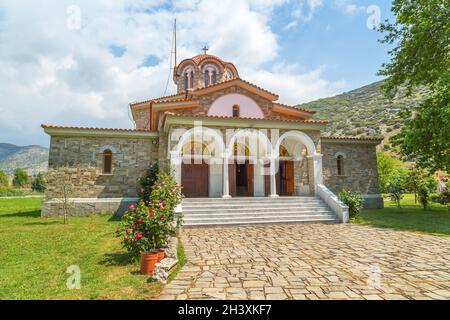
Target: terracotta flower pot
161	255
148	261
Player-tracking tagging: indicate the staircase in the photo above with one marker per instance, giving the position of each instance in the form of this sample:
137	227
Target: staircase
248	211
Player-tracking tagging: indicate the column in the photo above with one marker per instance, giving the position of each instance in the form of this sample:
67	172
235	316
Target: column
226	183
273	182
317	174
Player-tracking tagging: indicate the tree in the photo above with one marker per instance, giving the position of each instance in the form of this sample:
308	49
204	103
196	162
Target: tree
396	186
20	179
39	184
421	57
386	165
413	180
3	179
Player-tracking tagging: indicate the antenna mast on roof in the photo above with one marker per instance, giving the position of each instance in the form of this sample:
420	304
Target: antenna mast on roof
173	55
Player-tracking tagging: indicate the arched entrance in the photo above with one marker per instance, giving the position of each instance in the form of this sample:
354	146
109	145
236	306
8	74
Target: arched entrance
195	170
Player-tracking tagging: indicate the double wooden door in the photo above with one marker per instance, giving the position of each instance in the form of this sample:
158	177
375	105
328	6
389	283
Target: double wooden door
241	179
194	179
284	178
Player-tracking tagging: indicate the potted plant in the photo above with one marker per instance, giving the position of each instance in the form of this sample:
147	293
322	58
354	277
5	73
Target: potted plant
146	226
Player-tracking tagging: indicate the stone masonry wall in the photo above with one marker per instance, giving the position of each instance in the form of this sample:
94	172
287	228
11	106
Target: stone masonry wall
360	167
81	161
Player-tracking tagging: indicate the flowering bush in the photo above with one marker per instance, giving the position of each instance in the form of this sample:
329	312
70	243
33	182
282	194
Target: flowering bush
148	224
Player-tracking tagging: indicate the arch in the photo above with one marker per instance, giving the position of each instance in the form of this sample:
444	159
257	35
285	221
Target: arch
262	138
340	153
298	135
105	147
223	106
186	137
194	148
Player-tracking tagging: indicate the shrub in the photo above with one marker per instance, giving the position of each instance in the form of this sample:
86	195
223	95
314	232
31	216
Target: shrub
20	179
395	186
423	195
13	192
147	181
353	200
39	184
3	179
148	224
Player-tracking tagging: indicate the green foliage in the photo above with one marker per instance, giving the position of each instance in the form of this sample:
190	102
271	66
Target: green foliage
147	181
424	195
21	178
3	179
386	166
147	225
39	183
396	185
13	192
421	58
353	200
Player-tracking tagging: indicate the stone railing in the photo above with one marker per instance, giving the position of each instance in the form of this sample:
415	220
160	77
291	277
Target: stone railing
336	205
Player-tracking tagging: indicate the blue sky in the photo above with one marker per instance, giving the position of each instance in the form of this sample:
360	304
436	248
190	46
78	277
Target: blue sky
82	62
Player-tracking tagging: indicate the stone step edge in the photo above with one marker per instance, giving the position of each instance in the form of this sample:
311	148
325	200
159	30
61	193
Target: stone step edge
328	216
240	223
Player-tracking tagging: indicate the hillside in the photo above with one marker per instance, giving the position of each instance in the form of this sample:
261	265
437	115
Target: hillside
33	159
364	111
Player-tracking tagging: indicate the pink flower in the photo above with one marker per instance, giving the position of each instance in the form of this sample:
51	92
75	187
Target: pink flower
151	215
140	221
162	217
125	238
132	207
133	227
152	210
128	231
139	236
161	205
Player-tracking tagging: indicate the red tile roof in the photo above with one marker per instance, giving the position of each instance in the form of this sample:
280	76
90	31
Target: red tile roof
244	118
201	57
295	108
49	126
353	138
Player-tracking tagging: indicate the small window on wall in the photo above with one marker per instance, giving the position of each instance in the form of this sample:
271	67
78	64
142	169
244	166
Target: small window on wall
235	111
107	162
340	165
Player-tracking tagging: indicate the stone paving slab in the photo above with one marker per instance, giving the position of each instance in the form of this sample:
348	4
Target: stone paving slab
311	261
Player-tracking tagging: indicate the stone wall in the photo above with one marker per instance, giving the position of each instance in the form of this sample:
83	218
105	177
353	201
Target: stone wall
79	159
360	169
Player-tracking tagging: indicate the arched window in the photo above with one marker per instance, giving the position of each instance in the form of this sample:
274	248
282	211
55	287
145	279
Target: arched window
186	81
206	78
214	77
191	80
340	165
236	111
107	162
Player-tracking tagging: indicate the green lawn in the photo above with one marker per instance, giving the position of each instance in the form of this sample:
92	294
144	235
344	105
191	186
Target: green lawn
35	253
411	217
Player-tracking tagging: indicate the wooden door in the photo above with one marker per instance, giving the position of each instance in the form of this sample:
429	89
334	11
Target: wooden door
232	178
250	179
289	177
194	179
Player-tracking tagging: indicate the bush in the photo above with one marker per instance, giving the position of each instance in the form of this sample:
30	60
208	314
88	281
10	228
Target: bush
39	184
20	179
147	181
3	179
395	186
13	192
423	195
147	225
353	200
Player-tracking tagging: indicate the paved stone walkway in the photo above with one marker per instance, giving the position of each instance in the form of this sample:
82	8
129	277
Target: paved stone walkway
311	262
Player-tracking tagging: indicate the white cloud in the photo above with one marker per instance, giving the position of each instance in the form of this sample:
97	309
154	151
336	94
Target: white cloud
348	7
53	74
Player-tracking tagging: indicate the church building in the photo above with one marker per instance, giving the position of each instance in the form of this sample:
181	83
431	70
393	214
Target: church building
222	137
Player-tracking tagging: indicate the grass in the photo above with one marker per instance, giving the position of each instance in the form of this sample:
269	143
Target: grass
36	252
410	216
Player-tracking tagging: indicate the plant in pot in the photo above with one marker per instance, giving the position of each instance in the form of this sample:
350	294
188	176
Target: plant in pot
146	226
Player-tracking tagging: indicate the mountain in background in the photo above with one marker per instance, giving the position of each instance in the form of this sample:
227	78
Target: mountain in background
363	112
33	159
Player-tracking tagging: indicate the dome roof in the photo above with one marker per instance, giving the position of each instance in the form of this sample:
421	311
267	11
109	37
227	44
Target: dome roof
202	57
199	59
